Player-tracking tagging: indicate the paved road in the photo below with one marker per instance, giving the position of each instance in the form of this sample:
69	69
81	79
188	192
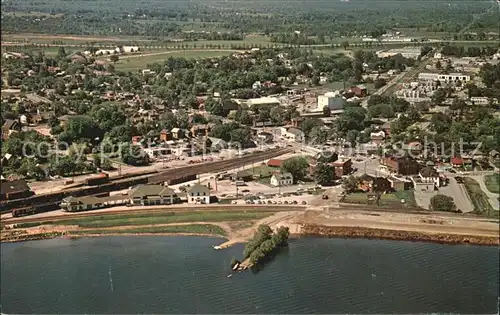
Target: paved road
492	197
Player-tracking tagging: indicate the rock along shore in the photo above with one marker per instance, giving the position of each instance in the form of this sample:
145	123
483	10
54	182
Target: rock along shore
372	233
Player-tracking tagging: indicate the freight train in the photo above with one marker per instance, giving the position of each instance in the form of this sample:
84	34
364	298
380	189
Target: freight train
50	202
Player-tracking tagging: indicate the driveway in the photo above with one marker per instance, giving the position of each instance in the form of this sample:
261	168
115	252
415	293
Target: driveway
492	197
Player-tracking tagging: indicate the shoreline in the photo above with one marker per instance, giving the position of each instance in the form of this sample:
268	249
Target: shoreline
396	235
307	230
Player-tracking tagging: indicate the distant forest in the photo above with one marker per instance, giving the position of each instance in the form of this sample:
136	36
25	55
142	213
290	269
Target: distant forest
172	18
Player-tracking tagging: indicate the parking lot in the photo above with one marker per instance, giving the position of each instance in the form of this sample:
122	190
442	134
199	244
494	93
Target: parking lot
453	189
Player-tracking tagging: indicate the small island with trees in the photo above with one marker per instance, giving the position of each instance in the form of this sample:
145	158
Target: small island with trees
262	247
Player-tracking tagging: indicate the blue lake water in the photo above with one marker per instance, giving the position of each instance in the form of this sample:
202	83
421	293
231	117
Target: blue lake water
167	275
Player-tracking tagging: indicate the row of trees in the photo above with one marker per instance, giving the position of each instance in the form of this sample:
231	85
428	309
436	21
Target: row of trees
265	243
311	18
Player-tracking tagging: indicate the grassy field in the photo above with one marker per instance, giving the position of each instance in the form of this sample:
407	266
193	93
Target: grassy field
492	183
161	218
49	51
479	198
135	63
193	229
385	199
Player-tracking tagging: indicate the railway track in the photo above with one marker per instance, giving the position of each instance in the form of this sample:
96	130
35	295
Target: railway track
155	178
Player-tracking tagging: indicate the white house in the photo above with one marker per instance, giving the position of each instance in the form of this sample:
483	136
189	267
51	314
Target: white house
130	49
198	193
23	119
295	134
256	85
282	179
430	175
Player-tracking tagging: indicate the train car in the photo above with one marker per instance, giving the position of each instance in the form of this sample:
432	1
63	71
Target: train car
34	209
99	179
45	207
182	179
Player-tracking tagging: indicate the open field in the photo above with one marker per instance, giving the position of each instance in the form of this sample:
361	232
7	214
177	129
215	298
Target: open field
49	51
138	62
493	183
155	218
97	40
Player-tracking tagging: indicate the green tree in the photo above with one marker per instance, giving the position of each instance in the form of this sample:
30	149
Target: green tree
442	203
324	174
318	135
114	58
133	155
439	96
327	112
297	166
350	184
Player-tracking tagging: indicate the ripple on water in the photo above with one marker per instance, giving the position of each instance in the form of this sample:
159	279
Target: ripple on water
185	275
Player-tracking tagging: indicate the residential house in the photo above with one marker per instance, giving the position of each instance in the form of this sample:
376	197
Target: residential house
374	184
256	85
297	122
399	184
284	179
145	195
295	134
494	156
177	133
198	193
377	137
359	90
430	175
386	127
199	130
217	144
10	126
165	135
343	166
402	165
15	189
457	161
265	137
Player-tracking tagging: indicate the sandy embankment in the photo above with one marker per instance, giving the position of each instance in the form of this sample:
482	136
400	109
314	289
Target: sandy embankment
453	229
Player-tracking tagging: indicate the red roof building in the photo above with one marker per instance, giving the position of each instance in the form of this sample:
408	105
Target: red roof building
457	161
274	163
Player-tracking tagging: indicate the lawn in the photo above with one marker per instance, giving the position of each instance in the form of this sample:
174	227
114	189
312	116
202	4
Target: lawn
492	183
194	229
162	218
479	198
134	63
390	199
